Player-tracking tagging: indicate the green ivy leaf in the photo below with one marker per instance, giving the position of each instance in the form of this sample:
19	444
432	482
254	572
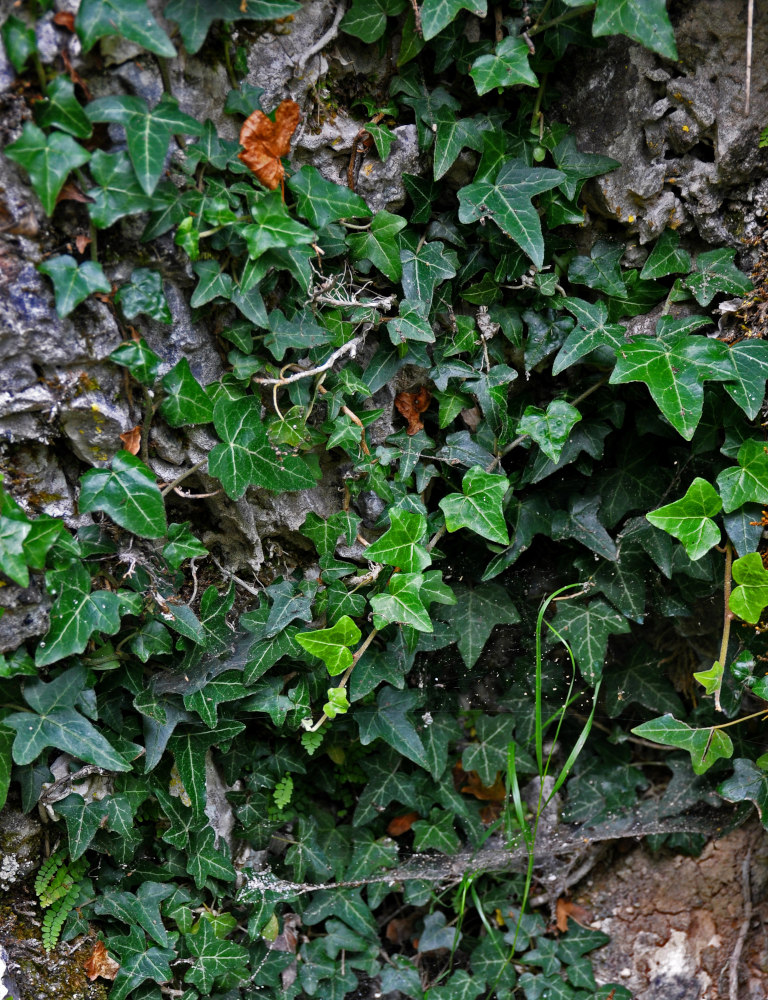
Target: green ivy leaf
749	480
380	244
426	266
750	597
246	456
274	227
13	560
128	493
182	545
666	257
401	545
586	628
452	134
320	201
144	294
55	722
73	283
83	820
119	192
593	332
578	166
143	908
411	324
19	42
77	613
436	834
139	359
62	110
550	428
189	750
134	970
644	21
711	679
750	361
367	19
690	518
508	202
488	754
185	401
195	17
704	745
383	138
477	610
226	687
402	603
601	270
129	18
747	783
507	67
388	721
216	958
331	645
206	861
181	817
480	508
674	367
715	272
438	14
48	159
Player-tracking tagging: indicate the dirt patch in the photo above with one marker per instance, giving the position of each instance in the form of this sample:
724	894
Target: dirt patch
676	922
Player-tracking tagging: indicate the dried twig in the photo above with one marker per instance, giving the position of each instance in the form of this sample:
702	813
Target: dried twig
746	889
348	348
180	478
324	40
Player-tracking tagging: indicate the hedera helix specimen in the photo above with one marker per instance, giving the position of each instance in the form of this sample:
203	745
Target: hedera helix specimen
528	466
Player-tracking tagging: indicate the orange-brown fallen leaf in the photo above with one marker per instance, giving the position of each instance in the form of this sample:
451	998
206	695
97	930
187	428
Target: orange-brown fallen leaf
100	964
132	439
402	824
486	793
65	20
265	142
72	192
81	242
564	909
411	405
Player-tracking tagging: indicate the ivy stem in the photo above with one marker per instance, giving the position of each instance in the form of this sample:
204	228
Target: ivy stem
228	58
149	412
180	479
744	718
568	15
727	619
40	72
347	674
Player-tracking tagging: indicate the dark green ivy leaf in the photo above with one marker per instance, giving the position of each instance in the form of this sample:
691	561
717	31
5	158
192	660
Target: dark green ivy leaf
73	283
129	18
127	491
48	159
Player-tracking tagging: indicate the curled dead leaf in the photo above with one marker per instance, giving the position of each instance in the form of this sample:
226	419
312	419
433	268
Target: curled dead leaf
410	406
564	909
265	142
132	439
72	192
402	824
486	793
81	242
100	964
65	19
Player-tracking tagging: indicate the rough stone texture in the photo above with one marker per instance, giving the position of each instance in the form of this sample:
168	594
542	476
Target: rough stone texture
674	921
690	157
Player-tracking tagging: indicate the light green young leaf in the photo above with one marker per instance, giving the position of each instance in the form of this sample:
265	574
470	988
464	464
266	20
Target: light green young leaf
748	481
675	368
508	202
438	14
246	456
332	645
129	18
185	400
13	561
550	428
402	544
128	493
480	508
380	244
73	283
666	257
402	603
710	679
750	597
704	745
48	159
644	21
320	201
689	519
507	67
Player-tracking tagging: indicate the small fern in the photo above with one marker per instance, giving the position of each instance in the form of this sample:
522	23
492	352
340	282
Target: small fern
58	886
283	791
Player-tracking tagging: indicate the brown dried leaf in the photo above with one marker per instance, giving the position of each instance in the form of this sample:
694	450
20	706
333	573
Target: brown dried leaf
402	824
132	439
65	20
100	964
486	793
410	405
81	242
265	142
72	192
564	909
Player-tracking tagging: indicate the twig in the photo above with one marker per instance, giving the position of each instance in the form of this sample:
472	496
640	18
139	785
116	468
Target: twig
435	538
748	80
231	575
348	348
727	619
320	44
348	673
355	420
733	974
149	412
194	496
49	794
182	477
366	578
193	571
